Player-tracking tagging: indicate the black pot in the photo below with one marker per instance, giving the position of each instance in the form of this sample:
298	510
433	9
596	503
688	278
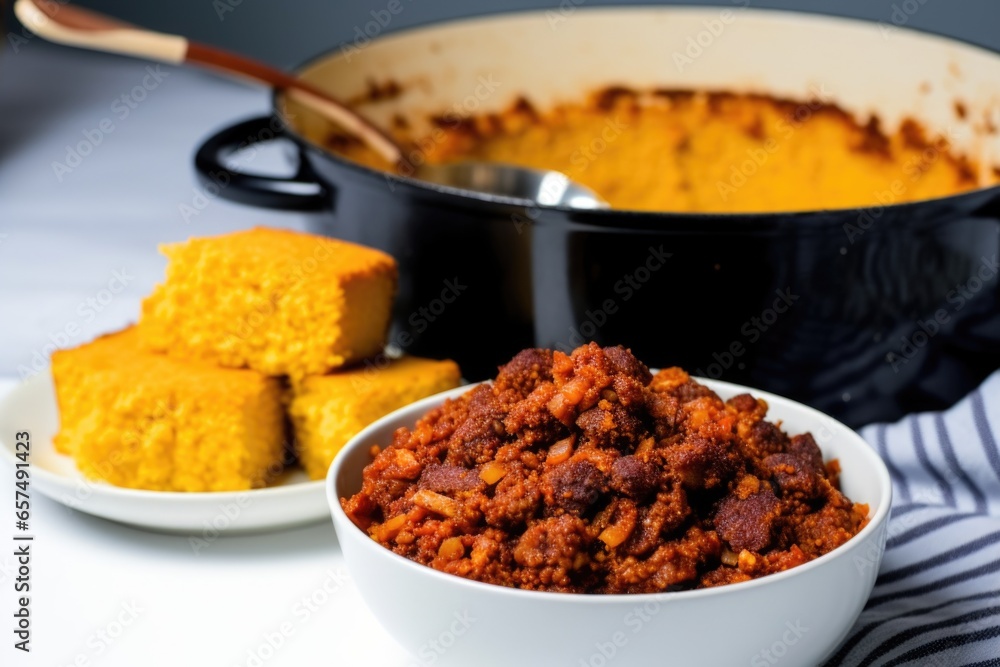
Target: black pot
866	314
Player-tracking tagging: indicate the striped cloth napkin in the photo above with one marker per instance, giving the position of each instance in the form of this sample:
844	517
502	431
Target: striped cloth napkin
937	599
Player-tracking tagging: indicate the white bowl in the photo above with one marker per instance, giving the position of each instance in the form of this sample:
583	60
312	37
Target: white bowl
797	617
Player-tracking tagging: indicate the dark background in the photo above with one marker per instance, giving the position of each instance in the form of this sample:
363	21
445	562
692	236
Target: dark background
286	32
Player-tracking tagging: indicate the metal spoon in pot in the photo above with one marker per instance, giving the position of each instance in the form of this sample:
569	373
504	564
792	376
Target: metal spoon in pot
73	26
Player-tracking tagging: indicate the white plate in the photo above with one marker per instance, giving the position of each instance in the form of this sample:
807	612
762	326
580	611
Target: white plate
31	406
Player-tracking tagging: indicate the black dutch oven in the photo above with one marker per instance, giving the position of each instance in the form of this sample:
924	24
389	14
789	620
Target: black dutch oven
866	314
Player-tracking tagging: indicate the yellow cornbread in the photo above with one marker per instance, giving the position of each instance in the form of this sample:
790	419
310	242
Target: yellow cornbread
328	410
705	152
276	301
143	420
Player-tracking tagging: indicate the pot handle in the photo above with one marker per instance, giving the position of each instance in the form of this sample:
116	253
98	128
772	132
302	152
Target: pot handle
301	192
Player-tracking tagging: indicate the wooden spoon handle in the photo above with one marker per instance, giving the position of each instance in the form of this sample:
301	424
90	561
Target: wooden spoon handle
74	26
306	93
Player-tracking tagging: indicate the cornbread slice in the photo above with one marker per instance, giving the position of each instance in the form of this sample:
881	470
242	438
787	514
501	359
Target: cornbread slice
276	301
328	410
143	420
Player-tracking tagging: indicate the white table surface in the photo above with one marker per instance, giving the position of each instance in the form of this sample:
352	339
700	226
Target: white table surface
104	594
60	243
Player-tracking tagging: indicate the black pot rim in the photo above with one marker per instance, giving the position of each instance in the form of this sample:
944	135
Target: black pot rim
474	199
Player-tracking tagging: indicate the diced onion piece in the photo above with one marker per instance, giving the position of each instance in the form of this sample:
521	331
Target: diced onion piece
404	465
615	534
437	503
729	558
698	418
560	451
389	529
560	407
405	458
451	549
646	445
746	561
492	472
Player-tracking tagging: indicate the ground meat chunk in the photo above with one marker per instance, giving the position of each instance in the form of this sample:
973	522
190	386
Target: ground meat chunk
449	479
743	402
667	513
610	426
548	552
525	371
746	523
634	477
691	390
585	473
623	362
765	438
672	565
573	486
702	463
794	478
829	527
666	412
515	500
477	439
551	541
804	447
629	377
530	420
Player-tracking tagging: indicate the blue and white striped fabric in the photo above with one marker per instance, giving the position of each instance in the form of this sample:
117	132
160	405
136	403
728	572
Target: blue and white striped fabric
937	599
